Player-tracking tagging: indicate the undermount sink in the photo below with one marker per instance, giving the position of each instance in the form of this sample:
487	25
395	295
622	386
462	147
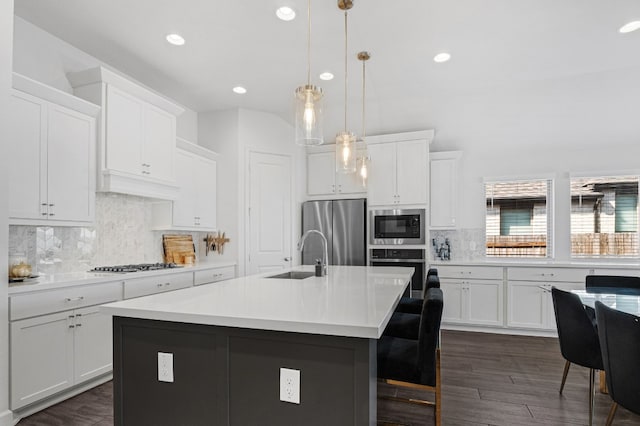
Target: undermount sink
294	275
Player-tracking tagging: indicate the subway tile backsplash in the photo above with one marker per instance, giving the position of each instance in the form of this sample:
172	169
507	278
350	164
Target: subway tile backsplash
122	234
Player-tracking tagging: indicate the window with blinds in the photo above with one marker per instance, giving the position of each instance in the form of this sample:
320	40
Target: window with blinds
604	216
518	218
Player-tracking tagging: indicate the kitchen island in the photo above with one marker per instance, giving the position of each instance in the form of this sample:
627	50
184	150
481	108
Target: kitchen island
228	342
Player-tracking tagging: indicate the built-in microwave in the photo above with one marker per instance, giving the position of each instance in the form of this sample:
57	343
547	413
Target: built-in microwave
397	227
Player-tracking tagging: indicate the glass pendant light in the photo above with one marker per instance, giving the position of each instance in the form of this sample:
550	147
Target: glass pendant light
308	100
345	140
363	160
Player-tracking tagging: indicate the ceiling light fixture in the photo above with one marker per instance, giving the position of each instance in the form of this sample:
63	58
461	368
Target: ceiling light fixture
240	90
442	57
326	76
285	13
308	100
345	140
175	39
629	27
364	155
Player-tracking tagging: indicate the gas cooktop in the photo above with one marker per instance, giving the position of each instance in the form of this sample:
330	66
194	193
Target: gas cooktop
135	267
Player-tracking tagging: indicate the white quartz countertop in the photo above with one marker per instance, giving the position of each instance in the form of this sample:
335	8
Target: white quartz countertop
596	264
54	281
353	301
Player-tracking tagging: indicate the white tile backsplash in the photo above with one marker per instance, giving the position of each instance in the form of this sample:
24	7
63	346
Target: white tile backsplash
466	244
122	234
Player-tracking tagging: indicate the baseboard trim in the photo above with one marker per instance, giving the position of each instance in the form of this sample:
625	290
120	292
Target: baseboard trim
66	394
6	418
499	330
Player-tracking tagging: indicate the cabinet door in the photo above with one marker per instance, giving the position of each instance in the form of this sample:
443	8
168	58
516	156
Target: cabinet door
550	314
184	206
484	302
205	197
321	173
412	172
350	183
453	295
71	165
41	357
159	147
26	151
443	193
526	307
125	132
382	174
92	344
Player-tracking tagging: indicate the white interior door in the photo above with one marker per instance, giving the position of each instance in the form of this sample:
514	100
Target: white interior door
269	228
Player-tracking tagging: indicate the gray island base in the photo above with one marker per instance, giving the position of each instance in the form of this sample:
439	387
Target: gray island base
227	352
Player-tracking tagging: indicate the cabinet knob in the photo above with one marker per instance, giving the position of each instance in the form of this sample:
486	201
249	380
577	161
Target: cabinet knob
287	259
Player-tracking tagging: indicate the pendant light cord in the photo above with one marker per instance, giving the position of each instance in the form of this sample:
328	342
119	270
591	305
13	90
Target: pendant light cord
309	43
345	71
363	95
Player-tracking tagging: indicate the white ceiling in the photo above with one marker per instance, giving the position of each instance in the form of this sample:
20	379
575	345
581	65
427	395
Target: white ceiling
241	42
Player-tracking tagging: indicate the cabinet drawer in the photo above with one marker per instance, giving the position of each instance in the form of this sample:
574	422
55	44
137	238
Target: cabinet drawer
547	274
46	302
214	275
150	285
471	272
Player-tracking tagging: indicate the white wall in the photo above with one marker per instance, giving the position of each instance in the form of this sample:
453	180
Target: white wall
584	123
6	43
46	58
218	131
232	134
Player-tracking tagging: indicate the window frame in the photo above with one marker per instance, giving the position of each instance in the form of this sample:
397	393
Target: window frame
601	174
550	178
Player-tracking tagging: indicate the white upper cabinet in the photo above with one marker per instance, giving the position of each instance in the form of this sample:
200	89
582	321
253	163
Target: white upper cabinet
52	152
195	206
398	173
444	191
322	178
137	137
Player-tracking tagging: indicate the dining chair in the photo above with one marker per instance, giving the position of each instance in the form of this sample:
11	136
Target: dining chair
413	305
601	283
578	338
416	363
619	334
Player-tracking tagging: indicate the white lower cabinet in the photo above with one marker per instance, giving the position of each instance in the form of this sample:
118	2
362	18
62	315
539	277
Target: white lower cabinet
529	302
59	339
209	276
473	295
52	352
41	357
472	302
137	287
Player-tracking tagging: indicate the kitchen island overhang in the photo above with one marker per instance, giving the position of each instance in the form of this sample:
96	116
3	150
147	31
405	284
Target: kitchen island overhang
229	341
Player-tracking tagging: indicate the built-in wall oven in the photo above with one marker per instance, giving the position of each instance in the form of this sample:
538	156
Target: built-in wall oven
397	227
403	257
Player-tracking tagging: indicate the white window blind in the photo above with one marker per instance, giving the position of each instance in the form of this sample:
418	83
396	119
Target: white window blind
604	216
518	219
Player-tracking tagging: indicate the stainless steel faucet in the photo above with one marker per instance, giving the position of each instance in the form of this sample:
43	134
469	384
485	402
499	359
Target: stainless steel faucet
325	254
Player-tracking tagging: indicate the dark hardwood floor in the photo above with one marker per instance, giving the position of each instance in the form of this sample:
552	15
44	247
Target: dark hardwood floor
488	379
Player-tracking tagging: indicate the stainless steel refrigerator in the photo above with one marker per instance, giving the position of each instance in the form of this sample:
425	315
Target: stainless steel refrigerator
343	222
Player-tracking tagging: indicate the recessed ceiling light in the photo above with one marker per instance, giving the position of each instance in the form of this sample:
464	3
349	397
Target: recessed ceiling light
240	90
175	39
326	76
442	57
286	13
631	26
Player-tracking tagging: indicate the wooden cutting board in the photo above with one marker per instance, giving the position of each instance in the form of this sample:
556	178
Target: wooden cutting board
177	248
